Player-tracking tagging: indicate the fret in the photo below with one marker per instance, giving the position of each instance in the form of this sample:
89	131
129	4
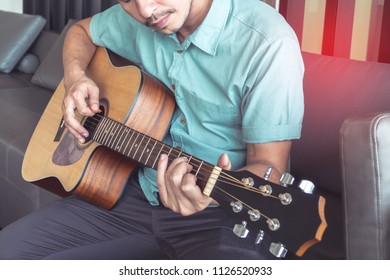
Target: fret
158	155
150	153
107	132
143	151
116	137
96	133
113	129
100	131
138	145
128	142
169	153
125	140
122	133
200	165
132	146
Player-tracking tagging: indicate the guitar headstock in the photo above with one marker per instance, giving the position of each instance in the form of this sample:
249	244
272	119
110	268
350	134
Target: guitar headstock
287	212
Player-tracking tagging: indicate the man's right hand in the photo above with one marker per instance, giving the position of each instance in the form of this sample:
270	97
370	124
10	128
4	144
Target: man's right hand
81	93
82	96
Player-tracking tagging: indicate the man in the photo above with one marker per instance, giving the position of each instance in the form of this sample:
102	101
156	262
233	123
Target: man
236	72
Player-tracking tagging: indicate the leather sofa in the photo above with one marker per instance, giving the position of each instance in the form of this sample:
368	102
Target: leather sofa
365	161
352	178
26	85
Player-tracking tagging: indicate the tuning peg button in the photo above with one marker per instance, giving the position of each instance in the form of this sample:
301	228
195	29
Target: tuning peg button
278	250
286	179
240	230
306	186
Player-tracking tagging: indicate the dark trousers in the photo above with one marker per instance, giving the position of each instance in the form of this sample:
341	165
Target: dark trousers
74	229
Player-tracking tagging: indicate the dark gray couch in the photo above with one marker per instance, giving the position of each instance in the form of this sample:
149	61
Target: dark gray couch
335	89
24	93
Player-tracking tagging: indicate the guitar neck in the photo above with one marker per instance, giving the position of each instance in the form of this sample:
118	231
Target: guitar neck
146	150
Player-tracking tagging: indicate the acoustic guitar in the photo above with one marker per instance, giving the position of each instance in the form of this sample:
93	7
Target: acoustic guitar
135	113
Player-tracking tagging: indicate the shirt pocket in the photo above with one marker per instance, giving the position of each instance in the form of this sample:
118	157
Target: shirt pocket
216	122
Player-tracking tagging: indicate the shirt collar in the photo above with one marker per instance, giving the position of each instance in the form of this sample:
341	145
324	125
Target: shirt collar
208	34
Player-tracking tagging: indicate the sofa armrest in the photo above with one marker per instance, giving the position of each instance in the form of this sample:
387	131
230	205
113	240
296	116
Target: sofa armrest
365	164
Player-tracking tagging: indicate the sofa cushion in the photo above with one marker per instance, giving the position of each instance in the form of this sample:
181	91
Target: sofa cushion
18	33
14	80
28	64
50	72
43	44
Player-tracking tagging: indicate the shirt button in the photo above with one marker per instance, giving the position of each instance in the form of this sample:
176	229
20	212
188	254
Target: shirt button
173	86
182	120
179	51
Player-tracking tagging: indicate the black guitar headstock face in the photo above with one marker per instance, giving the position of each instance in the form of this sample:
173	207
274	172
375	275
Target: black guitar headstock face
291	217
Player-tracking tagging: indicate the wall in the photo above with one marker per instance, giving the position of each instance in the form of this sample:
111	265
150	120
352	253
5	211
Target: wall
12	5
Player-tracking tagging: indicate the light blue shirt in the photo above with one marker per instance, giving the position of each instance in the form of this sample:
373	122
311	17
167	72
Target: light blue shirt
237	79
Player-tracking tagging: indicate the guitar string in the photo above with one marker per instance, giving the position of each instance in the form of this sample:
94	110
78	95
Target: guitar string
228	179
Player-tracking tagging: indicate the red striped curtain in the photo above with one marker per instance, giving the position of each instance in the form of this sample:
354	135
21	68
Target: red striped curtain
356	29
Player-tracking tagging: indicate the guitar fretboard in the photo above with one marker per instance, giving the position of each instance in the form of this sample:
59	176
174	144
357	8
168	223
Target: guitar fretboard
144	149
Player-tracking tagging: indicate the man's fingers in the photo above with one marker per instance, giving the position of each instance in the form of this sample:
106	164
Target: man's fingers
83	98
162	166
224	162
73	124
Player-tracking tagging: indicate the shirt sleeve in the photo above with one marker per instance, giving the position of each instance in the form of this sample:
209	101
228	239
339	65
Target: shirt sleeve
107	29
273	103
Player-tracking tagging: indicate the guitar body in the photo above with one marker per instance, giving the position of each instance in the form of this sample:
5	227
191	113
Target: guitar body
94	172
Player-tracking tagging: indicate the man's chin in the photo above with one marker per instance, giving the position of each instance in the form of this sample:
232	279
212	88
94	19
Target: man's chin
164	31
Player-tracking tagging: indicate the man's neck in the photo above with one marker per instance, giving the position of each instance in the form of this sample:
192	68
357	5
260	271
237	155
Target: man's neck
198	13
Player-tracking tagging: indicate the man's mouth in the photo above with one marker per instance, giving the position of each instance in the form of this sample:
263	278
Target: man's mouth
161	22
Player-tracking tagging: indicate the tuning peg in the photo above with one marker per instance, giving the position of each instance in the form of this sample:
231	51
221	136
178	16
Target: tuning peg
249	182
286	179
254	215
236	206
273	224
240	230
267	172
259	237
307	186
278	250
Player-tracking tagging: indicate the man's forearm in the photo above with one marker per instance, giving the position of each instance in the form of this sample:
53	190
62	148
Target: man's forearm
77	51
